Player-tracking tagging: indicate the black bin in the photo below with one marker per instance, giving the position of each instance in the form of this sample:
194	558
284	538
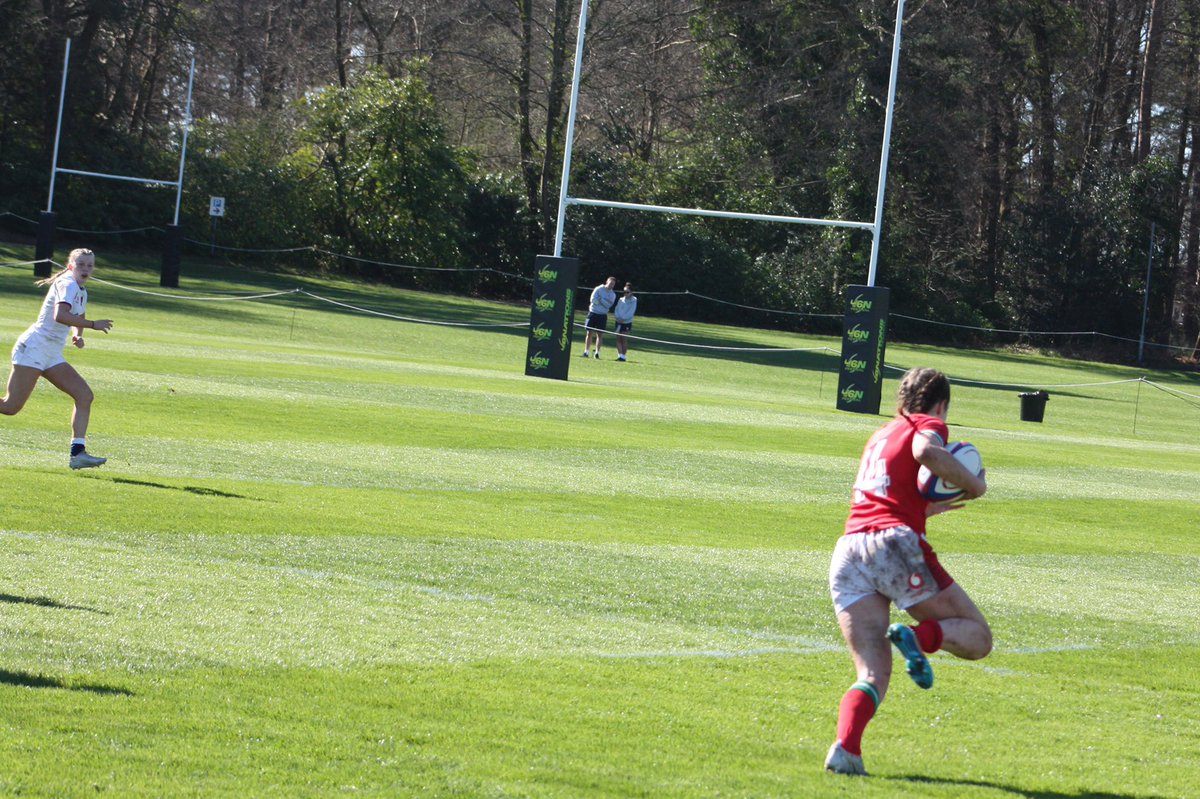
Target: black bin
1033	405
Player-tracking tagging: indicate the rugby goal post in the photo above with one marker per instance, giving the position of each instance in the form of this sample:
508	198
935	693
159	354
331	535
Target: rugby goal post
870	352
44	251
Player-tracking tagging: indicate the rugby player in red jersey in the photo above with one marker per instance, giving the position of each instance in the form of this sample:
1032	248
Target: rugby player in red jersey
884	558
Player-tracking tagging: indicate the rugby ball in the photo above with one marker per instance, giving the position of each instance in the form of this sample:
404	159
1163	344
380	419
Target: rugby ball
934	488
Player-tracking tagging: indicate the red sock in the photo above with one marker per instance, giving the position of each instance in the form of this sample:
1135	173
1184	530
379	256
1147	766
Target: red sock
929	635
857	708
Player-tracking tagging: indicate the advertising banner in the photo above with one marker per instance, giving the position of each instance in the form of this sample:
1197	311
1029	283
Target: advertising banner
552	317
860	376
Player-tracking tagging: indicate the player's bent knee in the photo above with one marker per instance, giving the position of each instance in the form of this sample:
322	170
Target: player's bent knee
982	645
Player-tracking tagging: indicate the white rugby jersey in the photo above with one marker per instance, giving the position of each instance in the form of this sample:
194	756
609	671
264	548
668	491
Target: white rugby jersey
46	330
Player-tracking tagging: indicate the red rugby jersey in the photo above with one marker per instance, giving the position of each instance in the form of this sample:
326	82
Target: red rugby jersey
885	491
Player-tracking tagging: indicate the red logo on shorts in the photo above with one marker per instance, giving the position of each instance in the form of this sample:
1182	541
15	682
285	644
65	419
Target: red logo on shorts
916	581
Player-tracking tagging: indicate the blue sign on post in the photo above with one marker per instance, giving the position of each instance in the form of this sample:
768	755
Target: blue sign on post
864	339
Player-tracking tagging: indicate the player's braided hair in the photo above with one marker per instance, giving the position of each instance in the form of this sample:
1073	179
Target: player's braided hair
920	390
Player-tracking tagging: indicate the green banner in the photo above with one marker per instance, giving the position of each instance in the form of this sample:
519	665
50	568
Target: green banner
864	339
552	317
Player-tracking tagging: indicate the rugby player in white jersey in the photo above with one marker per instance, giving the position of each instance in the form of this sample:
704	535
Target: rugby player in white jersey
39	351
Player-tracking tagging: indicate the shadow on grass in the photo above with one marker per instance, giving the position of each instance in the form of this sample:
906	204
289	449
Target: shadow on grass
1015	791
198	490
24	679
47	602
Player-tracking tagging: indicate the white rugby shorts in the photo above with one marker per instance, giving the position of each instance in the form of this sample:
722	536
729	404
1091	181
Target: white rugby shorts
38	354
889	562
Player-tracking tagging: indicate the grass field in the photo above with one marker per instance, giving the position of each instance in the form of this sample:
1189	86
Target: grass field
336	554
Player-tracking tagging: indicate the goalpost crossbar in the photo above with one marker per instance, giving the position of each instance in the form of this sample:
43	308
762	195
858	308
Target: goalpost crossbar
669	209
117	177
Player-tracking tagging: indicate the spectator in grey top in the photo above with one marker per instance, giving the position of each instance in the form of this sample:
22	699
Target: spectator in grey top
603	299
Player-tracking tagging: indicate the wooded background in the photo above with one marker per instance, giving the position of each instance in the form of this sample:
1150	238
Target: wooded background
1035	143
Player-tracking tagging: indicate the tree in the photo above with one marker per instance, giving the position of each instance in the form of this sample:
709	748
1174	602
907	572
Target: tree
390	186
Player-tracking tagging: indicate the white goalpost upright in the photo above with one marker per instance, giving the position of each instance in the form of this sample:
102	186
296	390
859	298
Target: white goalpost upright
46	224
865	328
565	199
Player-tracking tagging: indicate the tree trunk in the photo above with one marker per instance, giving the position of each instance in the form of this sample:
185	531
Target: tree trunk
1126	106
1096	116
117	101
555	117
340	51
990	200
525	143
55	12
1191	262
1149	68
1043	111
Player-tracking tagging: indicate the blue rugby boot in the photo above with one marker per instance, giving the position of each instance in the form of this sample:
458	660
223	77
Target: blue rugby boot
914	659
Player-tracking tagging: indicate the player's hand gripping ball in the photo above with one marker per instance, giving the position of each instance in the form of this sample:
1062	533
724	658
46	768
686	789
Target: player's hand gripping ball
934	488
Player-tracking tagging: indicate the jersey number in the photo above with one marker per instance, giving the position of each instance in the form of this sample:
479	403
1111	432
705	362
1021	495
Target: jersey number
872	473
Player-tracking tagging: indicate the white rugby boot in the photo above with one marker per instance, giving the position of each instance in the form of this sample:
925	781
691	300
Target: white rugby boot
86	460
839	761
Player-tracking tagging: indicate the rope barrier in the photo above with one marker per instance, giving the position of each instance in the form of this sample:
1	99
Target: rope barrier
308	248
408	318
1000	329
689	293
685	292
164	295
300	291
766	310
1170	390
706	346
110	232
969	382
1038	332
416	268
417	320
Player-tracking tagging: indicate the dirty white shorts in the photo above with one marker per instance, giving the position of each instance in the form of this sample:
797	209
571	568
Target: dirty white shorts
37	354
891	562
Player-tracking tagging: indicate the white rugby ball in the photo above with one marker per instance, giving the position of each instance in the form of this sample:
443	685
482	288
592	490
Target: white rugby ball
934	488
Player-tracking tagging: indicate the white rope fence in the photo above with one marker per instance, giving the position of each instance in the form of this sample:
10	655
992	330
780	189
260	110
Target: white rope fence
1170	390
1038	332
295	292
705	346
409	318
989	384
222	298
684	293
